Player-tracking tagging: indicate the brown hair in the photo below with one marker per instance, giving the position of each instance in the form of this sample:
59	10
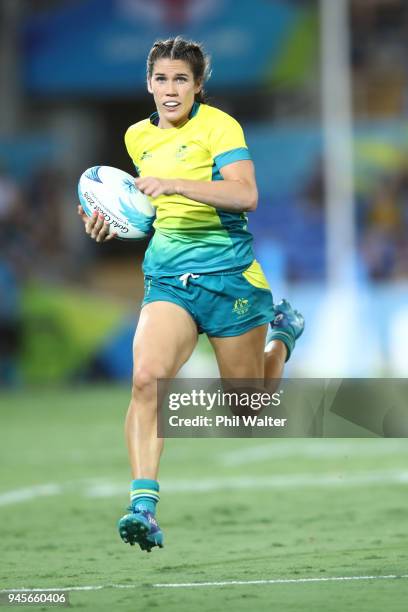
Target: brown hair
180	49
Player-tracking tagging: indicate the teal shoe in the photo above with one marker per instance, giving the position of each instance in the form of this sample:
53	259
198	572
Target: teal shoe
140	527
287	326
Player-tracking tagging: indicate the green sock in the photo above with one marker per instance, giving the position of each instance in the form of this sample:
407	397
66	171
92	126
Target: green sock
144	494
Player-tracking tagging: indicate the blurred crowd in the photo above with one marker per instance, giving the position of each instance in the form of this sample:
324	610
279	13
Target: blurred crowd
381	221
383	227
30	248
31	237
379	45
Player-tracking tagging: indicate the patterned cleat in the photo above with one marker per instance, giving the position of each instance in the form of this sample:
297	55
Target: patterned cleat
140	528
287	326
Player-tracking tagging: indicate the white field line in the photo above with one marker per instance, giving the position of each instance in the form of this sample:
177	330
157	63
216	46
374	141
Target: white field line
284	481
315	448
99	488
99	587
22	495
278	581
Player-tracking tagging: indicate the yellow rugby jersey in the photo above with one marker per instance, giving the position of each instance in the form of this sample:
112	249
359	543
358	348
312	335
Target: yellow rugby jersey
191	236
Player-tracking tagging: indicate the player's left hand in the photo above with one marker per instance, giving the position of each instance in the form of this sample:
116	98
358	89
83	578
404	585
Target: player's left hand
154	187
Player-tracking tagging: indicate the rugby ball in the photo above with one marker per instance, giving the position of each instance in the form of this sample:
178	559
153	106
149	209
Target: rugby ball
113	193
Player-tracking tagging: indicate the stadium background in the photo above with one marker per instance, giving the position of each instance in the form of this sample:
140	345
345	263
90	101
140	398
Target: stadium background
72	78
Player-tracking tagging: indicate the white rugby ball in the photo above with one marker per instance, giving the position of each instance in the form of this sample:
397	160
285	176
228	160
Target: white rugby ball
113	193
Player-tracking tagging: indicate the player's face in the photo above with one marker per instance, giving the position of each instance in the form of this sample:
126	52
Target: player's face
173	88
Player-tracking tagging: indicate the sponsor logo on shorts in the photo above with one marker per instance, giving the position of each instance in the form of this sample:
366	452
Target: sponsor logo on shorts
241	306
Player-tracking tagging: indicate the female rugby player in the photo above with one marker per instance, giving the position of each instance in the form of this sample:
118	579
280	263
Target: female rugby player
200	272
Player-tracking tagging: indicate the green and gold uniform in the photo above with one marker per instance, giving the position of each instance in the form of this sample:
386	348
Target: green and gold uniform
192	238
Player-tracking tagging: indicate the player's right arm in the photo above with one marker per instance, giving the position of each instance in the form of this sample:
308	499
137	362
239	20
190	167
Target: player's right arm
95	226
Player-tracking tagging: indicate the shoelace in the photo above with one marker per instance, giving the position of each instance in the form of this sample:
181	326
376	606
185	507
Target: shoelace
185	277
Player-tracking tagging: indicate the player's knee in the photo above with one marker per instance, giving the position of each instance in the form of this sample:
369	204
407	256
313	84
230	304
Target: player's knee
145	378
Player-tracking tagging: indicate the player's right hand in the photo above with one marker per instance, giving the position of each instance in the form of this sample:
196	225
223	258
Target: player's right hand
96	227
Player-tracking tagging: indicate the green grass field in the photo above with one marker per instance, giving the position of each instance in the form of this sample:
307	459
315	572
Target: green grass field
231	510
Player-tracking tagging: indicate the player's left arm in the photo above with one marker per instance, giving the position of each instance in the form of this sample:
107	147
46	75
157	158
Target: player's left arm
236	193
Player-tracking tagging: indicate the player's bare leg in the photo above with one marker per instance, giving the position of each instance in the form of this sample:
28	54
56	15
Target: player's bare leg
165	338
246	356
241	356
274	360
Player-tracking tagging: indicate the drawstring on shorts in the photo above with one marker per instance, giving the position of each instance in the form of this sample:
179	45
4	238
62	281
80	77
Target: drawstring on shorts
185	277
